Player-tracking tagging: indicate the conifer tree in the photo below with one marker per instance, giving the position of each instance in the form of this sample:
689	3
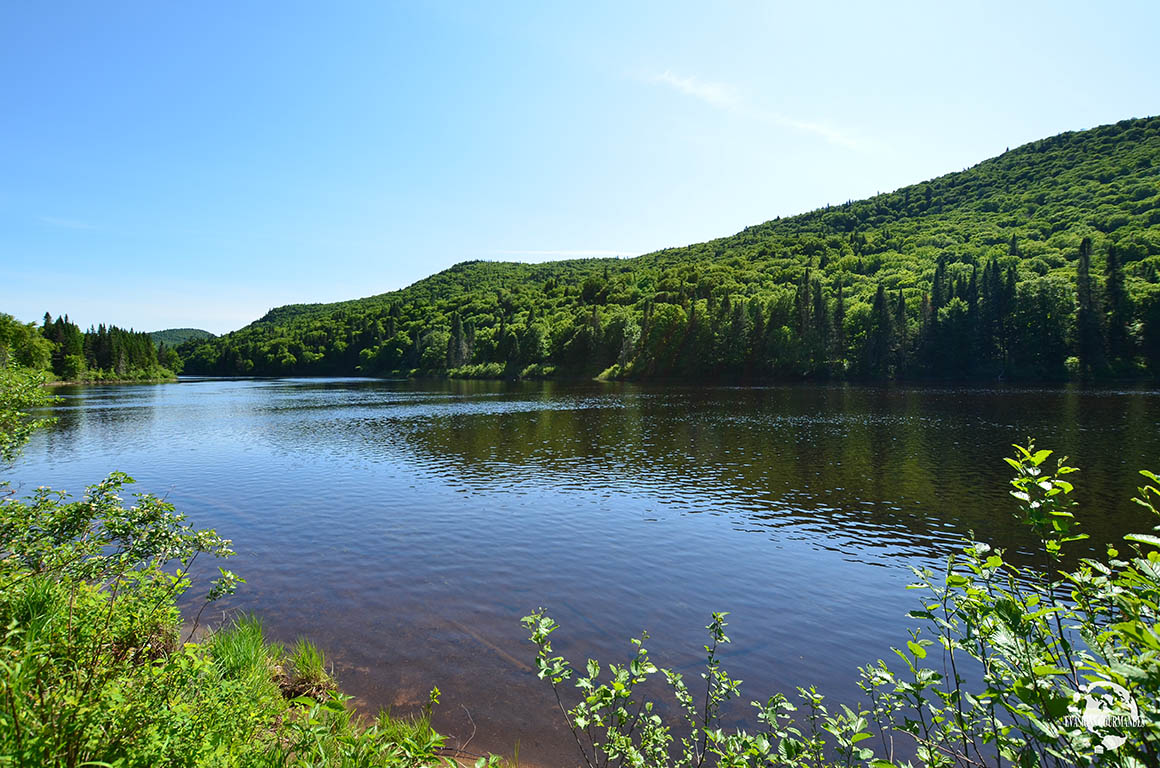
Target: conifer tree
839	334
1090	338
938	288
802	306
900	332
821	322
457	343
1119	310
880	337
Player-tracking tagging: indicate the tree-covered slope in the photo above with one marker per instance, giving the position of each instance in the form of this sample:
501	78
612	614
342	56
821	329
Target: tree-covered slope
102	353
172	337
1029	265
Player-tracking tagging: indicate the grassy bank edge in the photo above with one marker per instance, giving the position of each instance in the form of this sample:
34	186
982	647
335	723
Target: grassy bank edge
97	669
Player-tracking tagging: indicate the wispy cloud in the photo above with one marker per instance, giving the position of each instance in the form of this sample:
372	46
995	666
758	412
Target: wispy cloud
822	130
562	254
55	221
720	95
728	97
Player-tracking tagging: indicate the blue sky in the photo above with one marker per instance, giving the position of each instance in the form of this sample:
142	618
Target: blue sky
195	164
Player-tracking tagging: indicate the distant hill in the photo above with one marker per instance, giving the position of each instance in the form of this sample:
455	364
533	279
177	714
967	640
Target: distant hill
1039	264
172	337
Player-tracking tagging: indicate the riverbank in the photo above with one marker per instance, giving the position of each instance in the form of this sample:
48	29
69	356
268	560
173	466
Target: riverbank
101	669
97	666
92	382
422	520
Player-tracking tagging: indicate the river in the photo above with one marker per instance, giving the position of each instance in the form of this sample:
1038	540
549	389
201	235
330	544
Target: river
406	527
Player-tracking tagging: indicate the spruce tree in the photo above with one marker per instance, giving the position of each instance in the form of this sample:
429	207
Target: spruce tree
938	288
802	305
879	343
1119	310
456	344
820	322
925	345
900	331
839	334
1006	318
1089	334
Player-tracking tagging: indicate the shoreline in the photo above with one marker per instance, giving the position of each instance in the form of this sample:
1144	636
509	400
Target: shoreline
88	382
364	711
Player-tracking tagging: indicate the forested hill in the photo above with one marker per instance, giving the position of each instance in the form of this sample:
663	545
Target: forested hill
171	337
1034	265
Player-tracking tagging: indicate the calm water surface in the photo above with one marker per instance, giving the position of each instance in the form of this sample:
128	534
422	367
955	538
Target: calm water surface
406	527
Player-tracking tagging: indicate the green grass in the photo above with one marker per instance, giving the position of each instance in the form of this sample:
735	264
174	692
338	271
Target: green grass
92	670
307	665
403	728
92	673
240	650
88	678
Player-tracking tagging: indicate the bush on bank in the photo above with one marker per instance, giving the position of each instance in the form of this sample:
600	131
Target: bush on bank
94	668
1065	668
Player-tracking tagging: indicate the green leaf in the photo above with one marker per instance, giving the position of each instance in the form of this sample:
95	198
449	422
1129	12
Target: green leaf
1044	670
1144	538
593	668
918	651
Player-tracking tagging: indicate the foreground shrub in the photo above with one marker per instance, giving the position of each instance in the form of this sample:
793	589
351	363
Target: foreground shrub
93	670
1034	666
89	657
21	392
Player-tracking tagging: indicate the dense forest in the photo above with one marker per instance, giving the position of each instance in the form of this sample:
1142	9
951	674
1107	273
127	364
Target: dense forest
172	337
103	353
1039	264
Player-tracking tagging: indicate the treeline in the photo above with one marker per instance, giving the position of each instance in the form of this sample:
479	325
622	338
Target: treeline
1036	265
98	354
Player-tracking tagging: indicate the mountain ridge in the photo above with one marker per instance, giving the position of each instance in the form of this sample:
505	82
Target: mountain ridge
1033	147
1028	210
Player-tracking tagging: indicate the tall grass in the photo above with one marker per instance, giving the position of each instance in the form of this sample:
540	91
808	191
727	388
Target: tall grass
91	673
240	651
308	665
